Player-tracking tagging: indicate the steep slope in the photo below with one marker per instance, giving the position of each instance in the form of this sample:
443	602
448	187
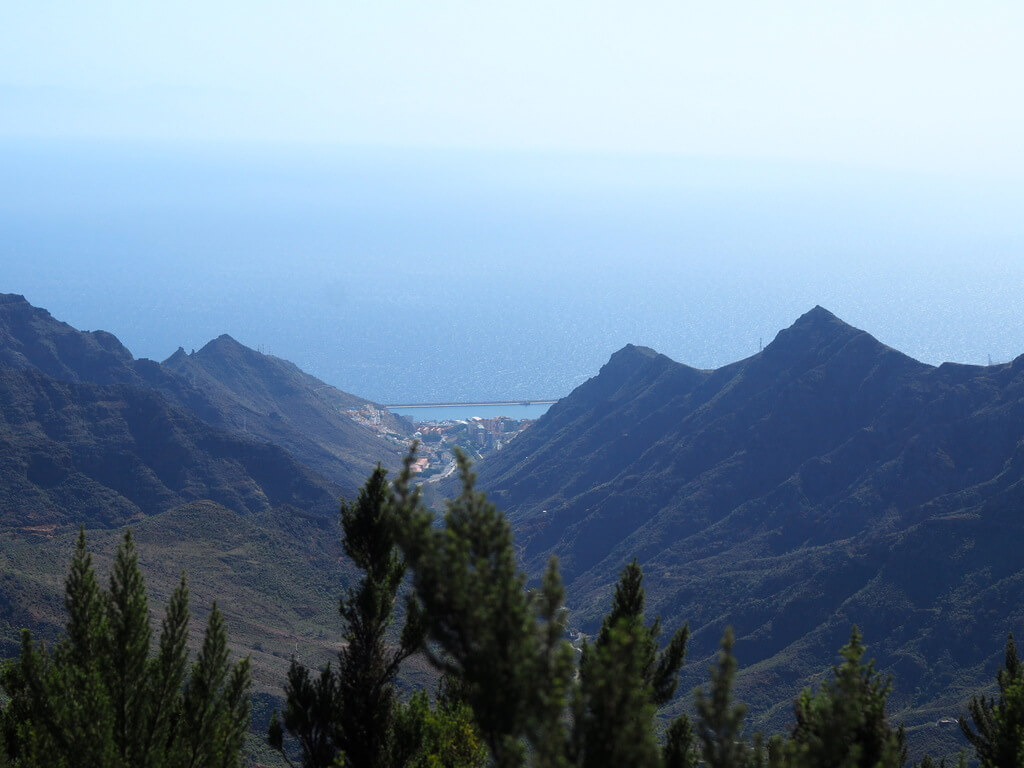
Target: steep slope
231	469
227	385
104	456
31	338
826	480
89	435
658	435
273	399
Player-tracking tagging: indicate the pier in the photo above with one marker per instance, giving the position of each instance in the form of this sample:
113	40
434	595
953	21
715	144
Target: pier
476	404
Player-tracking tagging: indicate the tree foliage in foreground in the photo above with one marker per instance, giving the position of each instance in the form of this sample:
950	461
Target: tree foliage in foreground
996	727
533	705
104	698
623	680
845	723
504	643
524	694
507	644
514	691
720	726
351	714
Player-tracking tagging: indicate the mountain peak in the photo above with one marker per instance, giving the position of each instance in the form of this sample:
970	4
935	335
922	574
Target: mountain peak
226	340
30	337
631	358
821	319
179	355
633	352
813	330
223	344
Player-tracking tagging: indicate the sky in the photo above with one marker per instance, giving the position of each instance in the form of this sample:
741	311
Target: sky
370	189
929	87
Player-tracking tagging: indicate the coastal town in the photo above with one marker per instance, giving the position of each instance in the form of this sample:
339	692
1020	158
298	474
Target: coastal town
475	436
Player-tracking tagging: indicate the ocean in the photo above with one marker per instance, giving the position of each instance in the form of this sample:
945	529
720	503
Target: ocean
456	412
443	276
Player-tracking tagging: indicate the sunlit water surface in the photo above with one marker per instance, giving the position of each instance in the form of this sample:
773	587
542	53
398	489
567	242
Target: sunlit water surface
440	277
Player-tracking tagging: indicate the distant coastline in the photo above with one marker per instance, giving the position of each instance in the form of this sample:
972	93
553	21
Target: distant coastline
513	409
471	404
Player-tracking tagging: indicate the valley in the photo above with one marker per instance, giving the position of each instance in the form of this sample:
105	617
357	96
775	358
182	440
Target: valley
826	481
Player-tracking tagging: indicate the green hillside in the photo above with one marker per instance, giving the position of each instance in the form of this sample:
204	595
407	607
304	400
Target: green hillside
827	481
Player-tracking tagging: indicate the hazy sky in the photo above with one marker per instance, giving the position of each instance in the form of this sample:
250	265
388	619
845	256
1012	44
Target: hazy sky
544	181
932	86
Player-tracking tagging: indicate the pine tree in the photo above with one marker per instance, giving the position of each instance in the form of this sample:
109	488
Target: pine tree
549	736
312	716
680	750
501	642
166	677
996	730
127	641
367	666
844	725
623	680
351	711
60	710
99	700
719	719
215	707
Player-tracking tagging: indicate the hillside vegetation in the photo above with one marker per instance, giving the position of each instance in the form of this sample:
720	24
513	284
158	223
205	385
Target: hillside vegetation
515	692
826	481
227	386
231	469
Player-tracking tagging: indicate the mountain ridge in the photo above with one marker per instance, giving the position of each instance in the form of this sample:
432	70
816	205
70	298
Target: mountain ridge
807	487
106	455
91	436
30	337
309	421
277	401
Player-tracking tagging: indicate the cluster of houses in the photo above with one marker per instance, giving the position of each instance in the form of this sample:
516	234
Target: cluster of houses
476	436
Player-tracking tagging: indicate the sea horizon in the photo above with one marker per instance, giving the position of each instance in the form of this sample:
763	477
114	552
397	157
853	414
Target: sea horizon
429	276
